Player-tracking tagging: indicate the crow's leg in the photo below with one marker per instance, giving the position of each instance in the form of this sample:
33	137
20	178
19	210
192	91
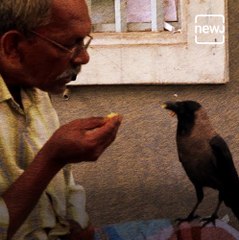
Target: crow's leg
214	215
192	216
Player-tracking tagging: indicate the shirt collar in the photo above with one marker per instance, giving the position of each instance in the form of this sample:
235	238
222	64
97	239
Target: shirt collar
33	93
30	96
4	92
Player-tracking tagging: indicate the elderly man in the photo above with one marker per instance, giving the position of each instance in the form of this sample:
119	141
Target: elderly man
42	47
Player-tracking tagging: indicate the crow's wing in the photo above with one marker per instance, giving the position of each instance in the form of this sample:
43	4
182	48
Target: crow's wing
224	162
227	174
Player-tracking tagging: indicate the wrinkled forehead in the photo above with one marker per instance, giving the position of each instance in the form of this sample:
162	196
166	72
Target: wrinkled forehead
66	12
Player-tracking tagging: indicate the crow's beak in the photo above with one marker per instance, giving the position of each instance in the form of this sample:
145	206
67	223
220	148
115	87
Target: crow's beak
169	106
164	106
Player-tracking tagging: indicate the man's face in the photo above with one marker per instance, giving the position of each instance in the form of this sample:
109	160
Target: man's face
47	66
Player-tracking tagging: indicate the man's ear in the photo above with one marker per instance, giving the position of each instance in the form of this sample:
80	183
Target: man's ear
10	46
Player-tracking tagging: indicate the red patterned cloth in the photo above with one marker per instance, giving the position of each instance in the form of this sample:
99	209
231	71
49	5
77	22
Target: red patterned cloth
164	229
222	231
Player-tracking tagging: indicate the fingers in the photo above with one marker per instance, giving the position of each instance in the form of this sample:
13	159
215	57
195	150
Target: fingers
107	132
102	137
115	126
85	139
89	123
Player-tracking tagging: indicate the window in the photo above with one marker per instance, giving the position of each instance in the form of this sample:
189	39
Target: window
133	16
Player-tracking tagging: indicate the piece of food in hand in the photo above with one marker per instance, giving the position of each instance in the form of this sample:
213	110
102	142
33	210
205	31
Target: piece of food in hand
111	115
114	116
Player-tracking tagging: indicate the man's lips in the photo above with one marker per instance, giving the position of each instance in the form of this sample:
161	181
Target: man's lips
64	80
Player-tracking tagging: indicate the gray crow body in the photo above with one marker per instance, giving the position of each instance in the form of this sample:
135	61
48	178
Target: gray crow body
205	157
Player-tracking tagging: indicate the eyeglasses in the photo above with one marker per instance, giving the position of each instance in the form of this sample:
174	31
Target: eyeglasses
75	50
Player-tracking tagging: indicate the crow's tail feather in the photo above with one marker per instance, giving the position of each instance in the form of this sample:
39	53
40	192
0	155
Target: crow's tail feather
235	210
232	201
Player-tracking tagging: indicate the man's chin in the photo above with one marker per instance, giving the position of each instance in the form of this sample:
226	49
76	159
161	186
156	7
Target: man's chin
57	90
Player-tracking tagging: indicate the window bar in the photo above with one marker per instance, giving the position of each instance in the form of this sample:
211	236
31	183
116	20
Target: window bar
157	15
89	6
120	16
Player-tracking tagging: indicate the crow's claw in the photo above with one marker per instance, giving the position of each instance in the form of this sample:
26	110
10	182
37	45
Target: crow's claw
189	218
207	220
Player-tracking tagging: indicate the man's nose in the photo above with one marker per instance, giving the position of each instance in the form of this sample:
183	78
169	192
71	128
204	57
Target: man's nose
81	58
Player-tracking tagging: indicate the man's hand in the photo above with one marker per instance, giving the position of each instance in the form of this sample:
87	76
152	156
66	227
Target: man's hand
82	139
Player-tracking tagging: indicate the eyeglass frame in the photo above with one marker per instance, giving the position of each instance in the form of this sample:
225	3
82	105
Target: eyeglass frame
74	51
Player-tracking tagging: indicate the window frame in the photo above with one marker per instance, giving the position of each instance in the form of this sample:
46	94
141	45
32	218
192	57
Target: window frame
156	36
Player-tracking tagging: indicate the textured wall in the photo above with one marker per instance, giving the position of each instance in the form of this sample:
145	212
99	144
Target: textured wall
139	176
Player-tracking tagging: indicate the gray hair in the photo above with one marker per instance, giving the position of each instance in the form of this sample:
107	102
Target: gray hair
23	15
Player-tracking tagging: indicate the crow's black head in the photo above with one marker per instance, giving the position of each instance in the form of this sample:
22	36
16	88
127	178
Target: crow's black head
185	111
182	108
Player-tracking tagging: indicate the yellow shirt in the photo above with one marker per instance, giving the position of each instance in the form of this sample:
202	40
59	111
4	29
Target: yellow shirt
22	134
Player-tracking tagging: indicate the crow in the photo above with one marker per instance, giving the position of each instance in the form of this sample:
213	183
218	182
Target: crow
205	158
